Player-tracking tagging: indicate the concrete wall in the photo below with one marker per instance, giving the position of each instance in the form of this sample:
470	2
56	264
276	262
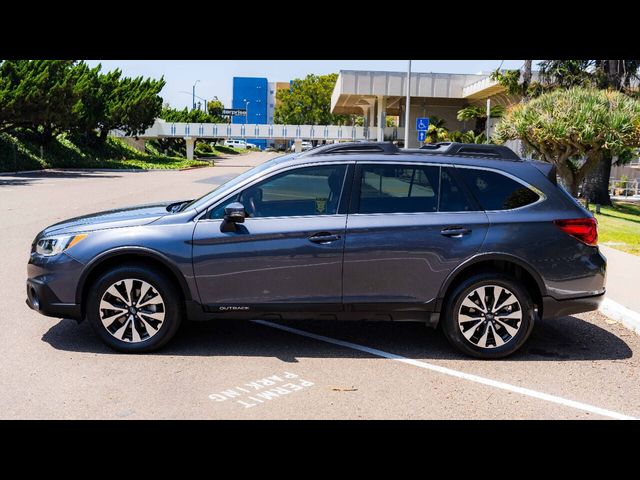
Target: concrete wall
619	171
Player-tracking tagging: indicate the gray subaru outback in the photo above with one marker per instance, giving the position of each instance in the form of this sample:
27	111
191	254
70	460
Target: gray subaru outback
468	237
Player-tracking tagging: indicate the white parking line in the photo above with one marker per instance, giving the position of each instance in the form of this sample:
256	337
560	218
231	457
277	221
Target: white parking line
455	373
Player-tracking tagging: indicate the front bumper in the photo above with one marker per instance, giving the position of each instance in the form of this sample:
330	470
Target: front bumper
552	308
42	299
51	285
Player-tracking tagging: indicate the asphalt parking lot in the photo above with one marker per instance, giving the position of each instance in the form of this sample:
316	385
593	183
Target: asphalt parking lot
577	367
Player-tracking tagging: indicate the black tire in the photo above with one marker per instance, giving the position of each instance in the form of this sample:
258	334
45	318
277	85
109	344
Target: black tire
453	330
165	287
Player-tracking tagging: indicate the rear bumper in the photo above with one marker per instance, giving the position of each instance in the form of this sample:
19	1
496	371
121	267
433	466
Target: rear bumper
552	308
41	298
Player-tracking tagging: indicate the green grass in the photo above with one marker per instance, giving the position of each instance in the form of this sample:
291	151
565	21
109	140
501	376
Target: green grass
229	150
150	163
620	226
21	151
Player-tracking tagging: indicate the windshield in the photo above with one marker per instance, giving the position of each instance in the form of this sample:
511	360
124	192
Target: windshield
199	203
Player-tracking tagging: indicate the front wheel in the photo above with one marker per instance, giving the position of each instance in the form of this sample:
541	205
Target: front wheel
134	309
489	315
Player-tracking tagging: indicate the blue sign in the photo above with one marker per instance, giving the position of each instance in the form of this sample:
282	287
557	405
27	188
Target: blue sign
422	124
422	135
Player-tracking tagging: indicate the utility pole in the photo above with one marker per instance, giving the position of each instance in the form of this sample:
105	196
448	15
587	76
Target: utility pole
408	105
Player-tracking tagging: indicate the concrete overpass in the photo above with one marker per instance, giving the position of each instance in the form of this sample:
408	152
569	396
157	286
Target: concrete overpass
190	132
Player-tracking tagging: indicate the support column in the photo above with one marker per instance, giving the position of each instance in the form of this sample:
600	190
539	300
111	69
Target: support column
371	115
191	143
298	145
381	117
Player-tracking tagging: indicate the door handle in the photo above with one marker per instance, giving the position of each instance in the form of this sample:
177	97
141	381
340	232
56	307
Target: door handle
323	237
455	232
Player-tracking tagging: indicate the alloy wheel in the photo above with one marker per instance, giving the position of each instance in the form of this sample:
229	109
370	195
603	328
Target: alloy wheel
132	310
490	316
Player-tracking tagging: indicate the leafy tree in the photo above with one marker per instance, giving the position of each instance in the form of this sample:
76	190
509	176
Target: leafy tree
468	137
479	114
94	89
308	102
131	104
572	128
40	95
189	116
214	107
609	74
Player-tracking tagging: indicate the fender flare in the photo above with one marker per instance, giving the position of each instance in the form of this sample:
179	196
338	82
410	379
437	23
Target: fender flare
140	251
488	256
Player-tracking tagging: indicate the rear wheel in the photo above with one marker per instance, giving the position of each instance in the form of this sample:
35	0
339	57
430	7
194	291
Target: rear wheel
489	315
134	309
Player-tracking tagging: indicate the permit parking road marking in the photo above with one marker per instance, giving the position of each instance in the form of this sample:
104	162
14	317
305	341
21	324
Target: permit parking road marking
263	390
454	373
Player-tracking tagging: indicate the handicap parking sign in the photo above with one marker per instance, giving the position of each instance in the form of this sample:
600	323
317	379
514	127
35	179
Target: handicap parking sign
422	124
422	135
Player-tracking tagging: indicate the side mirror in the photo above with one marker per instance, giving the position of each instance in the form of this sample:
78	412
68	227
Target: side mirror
234	213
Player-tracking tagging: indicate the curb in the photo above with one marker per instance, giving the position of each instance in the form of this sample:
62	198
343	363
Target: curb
622	314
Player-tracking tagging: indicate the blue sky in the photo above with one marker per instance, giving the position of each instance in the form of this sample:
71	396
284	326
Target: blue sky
216	75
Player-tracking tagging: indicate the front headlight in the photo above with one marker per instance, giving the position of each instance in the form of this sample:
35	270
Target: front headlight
49	246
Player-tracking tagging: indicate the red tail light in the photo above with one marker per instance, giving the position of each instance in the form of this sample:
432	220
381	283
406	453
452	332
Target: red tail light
584	229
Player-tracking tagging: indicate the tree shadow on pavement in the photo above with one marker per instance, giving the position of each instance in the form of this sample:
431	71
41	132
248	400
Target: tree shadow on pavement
19	179
564	339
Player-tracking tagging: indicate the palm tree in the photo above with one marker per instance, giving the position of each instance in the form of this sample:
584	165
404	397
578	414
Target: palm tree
479	114
468	137
437	132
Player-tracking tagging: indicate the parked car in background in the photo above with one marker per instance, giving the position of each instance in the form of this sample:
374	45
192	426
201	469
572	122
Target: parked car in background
305	145
238	144
469	237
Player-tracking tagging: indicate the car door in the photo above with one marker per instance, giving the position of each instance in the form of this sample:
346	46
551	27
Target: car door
409	226
288	252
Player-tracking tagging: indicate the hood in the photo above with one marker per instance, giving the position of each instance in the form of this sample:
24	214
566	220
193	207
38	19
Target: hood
122	217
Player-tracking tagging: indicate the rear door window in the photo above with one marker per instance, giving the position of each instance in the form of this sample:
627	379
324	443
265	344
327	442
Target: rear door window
399	189
453	195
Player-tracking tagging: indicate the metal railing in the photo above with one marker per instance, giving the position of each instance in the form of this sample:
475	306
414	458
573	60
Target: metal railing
622	187
162	129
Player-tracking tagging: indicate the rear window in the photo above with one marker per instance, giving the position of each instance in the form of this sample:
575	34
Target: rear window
495	191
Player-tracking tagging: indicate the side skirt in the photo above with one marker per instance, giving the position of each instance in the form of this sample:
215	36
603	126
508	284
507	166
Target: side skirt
398	312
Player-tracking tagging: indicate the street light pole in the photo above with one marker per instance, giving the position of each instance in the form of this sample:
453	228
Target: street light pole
193	96
408	106
488	118
246	107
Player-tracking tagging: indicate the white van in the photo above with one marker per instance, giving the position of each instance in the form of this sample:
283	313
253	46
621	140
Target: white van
230	142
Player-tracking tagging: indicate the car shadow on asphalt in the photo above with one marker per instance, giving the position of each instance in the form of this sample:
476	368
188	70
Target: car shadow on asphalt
564	339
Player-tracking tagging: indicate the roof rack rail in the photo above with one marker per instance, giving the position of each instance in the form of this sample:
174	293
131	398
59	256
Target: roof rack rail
385	148
470	149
